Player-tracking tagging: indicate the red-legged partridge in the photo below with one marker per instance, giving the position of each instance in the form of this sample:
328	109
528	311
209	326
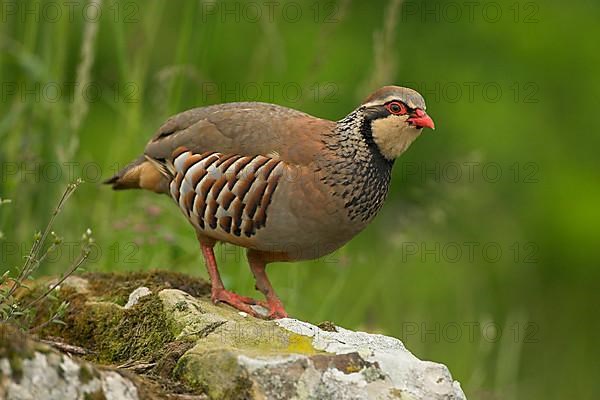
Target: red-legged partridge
283	184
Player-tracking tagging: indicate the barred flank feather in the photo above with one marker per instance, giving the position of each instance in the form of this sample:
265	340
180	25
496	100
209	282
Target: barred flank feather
224	192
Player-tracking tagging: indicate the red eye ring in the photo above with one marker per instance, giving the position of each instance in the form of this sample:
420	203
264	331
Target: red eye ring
396	108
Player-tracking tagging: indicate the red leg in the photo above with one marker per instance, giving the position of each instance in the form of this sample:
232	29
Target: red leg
274	305
218	291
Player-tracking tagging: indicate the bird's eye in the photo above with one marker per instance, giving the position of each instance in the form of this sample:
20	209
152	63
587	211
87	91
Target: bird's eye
397	108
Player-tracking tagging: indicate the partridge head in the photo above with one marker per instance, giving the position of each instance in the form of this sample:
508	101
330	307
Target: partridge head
397	117
281	183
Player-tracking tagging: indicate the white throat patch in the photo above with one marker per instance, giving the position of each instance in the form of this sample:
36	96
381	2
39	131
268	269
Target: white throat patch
393	135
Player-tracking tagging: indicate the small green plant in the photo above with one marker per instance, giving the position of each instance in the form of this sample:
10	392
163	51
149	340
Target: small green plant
2	202
23	312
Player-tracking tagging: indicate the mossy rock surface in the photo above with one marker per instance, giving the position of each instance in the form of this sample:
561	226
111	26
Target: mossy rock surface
159	335
30	369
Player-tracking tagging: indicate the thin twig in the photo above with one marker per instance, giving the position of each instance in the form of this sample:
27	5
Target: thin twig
82	257
67	348
28	268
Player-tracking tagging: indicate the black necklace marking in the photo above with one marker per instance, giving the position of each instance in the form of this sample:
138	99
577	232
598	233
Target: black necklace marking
358	172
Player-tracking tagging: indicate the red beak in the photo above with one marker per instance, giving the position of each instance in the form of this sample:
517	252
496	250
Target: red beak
420	119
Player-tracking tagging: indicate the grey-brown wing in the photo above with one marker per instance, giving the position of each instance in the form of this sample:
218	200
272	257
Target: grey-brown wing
244	129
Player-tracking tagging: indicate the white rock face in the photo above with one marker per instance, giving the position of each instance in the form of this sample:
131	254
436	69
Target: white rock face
291	359
53	376
405	375
136	295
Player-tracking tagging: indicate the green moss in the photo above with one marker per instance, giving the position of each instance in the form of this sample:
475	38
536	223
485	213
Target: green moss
114	334
216	373
43	309
97	395
181	306
16	368
86	374
171	355
15	347
96	321
116	287
141	332
327	326
87	323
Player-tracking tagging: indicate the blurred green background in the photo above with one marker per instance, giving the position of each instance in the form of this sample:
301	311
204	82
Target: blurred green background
485	256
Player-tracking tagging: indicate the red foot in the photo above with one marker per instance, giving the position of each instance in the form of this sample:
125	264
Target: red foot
276	309
243	303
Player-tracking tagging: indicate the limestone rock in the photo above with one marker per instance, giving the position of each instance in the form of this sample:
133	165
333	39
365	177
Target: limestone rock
30	370
163	338
136	295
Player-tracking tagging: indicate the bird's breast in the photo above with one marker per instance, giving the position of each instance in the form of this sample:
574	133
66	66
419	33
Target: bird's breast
266	204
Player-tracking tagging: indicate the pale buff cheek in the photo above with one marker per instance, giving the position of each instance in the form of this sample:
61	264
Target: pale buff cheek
393	135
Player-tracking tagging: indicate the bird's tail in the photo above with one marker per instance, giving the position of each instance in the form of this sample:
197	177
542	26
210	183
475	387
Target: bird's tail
142	173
